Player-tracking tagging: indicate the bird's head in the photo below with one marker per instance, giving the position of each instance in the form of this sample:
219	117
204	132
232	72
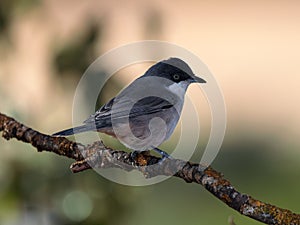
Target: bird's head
175	70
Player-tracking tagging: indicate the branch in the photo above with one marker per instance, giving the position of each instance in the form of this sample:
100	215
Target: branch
99	156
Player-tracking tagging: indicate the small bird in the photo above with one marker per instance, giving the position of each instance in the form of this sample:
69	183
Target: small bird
144	114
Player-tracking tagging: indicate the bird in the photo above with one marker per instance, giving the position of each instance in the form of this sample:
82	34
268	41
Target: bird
145	113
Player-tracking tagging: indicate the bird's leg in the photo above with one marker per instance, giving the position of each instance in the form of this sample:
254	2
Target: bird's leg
163	154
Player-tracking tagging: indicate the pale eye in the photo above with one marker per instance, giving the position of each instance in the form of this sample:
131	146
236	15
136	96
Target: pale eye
176	76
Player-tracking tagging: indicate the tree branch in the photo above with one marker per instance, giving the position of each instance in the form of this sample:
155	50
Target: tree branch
99	156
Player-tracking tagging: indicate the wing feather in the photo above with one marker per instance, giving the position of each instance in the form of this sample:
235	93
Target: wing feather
118	109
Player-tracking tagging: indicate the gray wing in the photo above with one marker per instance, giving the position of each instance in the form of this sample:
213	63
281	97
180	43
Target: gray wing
118	109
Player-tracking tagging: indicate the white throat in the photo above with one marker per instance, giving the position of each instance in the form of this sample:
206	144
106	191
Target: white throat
179	88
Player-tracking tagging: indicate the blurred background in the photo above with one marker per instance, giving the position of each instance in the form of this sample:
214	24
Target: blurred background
253	50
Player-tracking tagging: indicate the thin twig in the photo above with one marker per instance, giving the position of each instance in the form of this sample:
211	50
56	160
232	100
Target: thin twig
97	155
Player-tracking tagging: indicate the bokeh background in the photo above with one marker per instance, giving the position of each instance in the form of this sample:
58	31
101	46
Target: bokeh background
251	47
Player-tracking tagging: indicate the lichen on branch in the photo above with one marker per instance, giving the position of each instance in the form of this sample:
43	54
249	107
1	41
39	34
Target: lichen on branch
97	155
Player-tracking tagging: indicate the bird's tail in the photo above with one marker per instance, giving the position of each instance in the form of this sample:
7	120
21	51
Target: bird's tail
73	130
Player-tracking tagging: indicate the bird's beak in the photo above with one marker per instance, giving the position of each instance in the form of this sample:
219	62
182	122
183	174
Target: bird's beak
196	79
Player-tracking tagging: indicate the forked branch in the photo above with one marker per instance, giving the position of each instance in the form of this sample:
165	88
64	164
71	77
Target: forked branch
98	155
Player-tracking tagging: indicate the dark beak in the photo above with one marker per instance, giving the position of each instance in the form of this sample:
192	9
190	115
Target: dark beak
195	79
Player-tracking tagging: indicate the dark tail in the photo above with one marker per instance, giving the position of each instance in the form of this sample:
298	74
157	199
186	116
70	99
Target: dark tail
72	131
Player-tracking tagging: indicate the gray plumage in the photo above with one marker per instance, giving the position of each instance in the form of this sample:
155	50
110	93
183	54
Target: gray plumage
133	120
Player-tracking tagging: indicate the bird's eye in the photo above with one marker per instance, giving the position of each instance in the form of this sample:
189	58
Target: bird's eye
176	76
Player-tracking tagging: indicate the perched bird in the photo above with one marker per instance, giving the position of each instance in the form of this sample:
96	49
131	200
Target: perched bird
144	114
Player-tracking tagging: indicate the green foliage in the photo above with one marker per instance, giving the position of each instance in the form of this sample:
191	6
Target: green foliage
8	9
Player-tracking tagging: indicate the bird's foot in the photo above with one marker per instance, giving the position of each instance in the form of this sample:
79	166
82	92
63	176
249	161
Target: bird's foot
141	157
164	155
